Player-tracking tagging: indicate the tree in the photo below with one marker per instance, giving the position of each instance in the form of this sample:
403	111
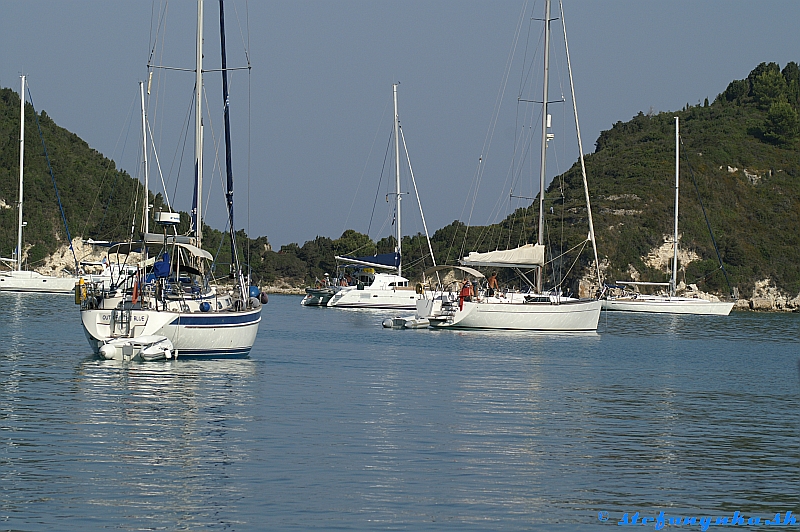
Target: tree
737	90
782	123
353	242
769	88
791	73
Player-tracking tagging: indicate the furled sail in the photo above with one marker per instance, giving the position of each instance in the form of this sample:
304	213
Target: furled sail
527	255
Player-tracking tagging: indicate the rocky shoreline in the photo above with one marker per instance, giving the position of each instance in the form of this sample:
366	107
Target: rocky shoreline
765	298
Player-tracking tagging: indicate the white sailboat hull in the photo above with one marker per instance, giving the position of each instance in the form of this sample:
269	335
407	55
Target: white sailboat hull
30	281
381	298
668	305
193	334
574	315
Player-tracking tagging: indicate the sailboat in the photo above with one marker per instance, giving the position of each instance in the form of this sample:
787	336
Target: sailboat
169	307
537	311
670	303
18	279
368	288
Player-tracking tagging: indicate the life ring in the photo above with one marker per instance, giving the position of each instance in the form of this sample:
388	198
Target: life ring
419	288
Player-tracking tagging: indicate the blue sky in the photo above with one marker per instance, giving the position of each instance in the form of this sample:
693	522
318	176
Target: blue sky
321	83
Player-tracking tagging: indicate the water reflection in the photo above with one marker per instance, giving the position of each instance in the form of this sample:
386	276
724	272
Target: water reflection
176	433
335	422
768	327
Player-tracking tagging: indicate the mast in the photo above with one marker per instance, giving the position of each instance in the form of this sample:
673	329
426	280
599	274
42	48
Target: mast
198	131
21	159
398	248
673	282
543	167
228	158
146	214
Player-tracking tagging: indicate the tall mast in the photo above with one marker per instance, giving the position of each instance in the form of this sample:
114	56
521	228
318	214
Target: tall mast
21	159
398	249
228	158
146	214
198	130
673	282
543	167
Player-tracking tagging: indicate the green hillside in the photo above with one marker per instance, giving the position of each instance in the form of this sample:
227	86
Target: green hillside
744	153
743	150
97	198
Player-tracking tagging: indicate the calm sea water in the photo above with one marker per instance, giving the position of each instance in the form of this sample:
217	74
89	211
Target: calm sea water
336	423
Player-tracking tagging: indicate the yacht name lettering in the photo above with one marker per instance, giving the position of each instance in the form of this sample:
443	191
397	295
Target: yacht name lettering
138	319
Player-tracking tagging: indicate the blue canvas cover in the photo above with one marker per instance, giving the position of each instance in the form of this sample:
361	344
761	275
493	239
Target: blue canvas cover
161	268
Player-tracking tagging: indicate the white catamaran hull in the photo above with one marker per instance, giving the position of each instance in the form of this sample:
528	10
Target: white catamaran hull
576	315
194	334
30	281
397	299
668	305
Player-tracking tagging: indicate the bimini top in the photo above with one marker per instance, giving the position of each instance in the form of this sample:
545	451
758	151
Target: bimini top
128	247
196	251
387	261
527	255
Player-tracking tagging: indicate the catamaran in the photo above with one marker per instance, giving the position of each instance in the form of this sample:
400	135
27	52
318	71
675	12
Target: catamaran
169	307
378	290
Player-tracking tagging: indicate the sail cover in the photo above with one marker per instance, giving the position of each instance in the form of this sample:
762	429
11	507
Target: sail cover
388	261
527	255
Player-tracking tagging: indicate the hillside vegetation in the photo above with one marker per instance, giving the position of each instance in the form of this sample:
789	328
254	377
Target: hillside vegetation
742	150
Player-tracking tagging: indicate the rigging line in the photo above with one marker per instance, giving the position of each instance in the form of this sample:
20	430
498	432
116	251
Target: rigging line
577	256
364	170
580	149
219	248
475	186
185	135
162	75
708	224
249	146
105	171
158	165
525	72
217	164
567	252
241	35
416	192
388	221
114	187
378	191
563	210
133	217
53	177
515	169
162	15
524	140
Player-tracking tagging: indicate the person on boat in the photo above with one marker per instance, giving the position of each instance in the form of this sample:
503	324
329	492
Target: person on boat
491	285
465	294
